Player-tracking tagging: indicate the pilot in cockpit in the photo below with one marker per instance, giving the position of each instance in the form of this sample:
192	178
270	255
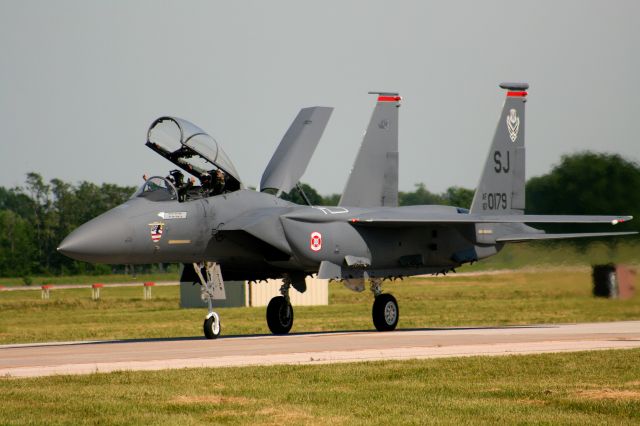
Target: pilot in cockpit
219	182
177	178
205	184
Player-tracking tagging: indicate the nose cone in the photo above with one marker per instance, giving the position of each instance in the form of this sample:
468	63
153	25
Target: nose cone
105	239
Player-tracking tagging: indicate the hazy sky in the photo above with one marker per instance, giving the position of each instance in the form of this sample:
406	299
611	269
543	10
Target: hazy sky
80	82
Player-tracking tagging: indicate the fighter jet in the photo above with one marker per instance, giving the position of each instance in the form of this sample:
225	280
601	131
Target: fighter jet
221	230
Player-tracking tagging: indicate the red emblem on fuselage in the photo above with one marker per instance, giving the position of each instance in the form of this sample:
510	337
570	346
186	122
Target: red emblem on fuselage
316	241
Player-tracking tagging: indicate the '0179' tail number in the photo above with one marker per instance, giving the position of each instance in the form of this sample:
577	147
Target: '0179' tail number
494	201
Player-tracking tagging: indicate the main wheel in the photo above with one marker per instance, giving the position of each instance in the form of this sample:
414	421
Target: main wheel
211	326
385	312
279	315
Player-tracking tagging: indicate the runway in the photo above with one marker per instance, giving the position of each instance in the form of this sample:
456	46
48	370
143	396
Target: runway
311	348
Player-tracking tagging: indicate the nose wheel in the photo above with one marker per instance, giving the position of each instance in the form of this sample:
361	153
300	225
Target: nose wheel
212	326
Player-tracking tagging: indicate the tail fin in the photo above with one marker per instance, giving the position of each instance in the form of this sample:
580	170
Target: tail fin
501	187
373	181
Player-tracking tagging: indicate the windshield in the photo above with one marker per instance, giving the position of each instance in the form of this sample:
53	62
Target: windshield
157	188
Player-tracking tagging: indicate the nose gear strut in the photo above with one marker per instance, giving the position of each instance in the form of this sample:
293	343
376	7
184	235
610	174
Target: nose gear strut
212	288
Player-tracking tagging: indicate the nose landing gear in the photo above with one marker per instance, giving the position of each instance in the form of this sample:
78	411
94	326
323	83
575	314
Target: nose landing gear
212	288
211	325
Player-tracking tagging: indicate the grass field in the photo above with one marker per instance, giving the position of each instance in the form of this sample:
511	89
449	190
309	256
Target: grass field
624	250
90	279
525	297
578	388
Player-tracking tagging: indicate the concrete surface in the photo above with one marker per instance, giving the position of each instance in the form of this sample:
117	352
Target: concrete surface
44	359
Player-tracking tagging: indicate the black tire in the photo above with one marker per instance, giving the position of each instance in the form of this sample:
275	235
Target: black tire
279	315
212	326
385	312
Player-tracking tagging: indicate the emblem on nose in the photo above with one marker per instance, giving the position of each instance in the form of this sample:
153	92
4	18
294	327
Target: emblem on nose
157	228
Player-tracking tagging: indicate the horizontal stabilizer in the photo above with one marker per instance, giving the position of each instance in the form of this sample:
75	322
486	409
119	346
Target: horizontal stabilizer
514	238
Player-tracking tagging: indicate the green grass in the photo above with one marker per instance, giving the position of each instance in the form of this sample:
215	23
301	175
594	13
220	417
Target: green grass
625	250
90	279
558	296
578	388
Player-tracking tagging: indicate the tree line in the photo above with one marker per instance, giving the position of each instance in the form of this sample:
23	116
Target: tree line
36	217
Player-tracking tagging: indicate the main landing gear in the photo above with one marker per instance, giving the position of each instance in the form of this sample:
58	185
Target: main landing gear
385	310
280	311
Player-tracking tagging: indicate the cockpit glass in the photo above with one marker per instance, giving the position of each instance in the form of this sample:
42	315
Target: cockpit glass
209	148
191	148
195	163
157	188
166	134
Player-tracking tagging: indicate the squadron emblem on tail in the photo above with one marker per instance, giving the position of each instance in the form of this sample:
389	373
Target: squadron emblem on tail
513	124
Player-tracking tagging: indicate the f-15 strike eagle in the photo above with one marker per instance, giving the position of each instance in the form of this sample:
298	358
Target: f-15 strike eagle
221	230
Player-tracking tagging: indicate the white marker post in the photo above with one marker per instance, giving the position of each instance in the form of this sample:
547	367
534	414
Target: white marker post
95	291
147	290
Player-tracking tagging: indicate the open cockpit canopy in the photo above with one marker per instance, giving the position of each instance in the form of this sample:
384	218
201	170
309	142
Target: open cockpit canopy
191	148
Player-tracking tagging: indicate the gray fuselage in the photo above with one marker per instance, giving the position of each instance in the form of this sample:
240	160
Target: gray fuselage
255	235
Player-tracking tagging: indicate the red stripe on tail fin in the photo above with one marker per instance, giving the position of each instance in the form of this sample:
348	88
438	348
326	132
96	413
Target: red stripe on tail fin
389	98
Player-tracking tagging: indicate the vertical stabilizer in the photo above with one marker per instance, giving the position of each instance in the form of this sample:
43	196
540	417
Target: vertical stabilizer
501	187
373	181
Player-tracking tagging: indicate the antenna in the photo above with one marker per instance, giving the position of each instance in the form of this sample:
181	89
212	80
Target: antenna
306	199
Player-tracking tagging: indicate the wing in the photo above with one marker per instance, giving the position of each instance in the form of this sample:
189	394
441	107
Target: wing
292	156
412	218
407	218
519	238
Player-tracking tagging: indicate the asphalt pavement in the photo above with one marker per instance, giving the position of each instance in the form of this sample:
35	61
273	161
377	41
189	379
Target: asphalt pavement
29	360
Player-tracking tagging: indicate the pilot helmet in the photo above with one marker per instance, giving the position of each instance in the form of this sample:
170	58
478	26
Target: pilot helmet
177	175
